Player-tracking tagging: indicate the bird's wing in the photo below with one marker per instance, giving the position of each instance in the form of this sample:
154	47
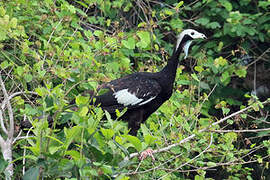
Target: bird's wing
131	92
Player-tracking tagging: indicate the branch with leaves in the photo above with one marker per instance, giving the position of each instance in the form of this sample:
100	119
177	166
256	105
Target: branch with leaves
194	135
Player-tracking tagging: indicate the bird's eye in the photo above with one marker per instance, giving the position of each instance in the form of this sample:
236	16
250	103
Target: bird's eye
192	33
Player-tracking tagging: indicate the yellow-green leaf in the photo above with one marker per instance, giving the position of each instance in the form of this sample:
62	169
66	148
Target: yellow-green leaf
83	111
130	43
81	100
107	133
220	62
13	22
199	69
135	142
2	11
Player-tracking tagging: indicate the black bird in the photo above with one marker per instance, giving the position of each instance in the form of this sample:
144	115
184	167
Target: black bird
142	93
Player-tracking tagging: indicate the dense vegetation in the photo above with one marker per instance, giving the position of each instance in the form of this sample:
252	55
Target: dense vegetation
53	51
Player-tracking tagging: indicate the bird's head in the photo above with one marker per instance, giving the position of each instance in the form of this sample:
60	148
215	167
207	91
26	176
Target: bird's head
185	38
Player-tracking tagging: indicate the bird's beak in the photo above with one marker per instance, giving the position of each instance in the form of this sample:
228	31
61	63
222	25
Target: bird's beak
203	36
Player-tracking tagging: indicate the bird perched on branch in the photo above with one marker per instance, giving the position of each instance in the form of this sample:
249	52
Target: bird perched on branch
142	93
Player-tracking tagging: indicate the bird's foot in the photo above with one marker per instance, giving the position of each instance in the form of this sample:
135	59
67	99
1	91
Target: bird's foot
148	152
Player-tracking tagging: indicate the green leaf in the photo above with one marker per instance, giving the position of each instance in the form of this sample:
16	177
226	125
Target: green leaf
108	116
264	4
20	70
204	121
53	149
74	154
225	110
149	139
135	142
210	164
83	111
226	4
183	82
81	100
144	39
176	24
3	35
107	133
107	169
220	45
32	173
4	64
194	76
179	4
98	33
28	77
204	85
199	69
214	25
220	62
71	134
3	164
202	21
168	12
13	22
2	11
229	121
242	72
225	78
197	177
130	43
41	91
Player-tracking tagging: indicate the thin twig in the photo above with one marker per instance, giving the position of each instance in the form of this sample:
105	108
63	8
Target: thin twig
241	131
260	57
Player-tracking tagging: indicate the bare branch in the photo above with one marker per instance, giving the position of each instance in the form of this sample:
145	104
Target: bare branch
2	141
10	111
2	123
260	57
241	131
13	95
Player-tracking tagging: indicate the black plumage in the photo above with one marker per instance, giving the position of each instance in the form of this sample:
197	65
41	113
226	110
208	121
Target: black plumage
143	92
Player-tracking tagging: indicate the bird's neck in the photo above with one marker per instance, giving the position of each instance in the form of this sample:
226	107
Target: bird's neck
169	71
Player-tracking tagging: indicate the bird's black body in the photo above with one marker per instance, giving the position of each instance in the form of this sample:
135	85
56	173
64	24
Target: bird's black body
142	93
144	86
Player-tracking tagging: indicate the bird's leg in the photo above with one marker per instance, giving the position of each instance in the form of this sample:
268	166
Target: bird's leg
134	123
148	152
134	126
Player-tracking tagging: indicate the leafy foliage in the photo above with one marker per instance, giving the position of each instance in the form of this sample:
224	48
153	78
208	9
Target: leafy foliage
60	49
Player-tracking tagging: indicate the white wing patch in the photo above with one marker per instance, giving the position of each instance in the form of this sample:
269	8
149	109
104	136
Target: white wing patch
126	98
148	100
